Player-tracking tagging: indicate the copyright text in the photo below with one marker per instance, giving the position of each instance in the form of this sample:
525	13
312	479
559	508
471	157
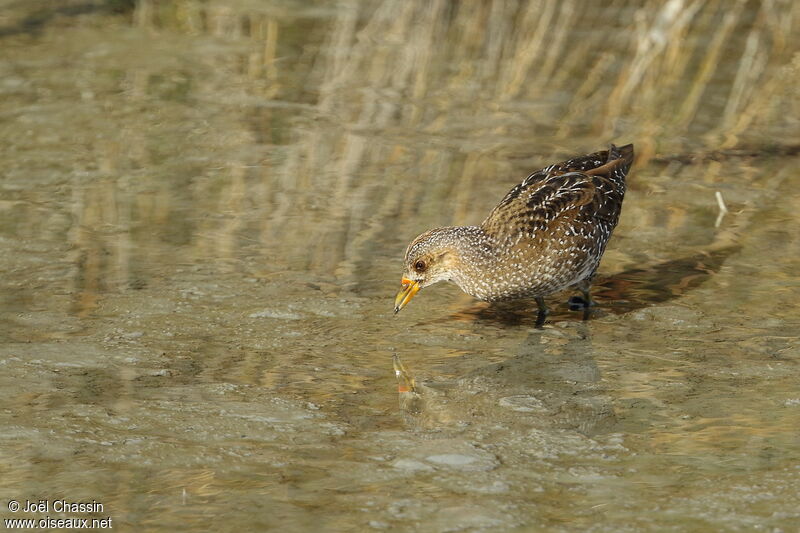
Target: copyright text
56	522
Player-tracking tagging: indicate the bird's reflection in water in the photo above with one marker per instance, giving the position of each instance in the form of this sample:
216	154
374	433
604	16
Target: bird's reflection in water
543	385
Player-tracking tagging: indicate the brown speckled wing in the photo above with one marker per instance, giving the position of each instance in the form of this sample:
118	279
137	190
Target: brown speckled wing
576	192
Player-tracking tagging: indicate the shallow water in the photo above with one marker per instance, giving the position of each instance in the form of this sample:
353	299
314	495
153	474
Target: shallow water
203	211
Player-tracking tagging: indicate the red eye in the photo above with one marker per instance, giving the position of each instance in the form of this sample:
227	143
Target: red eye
419	266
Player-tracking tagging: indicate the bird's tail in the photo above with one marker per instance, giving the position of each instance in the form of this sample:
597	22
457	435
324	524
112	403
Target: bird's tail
622	152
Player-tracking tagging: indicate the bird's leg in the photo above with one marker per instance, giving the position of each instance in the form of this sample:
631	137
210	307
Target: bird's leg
543	312
576	303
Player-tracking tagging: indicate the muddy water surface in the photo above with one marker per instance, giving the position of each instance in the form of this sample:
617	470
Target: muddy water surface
203	211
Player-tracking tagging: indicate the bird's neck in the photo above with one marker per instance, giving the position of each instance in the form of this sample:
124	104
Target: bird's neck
473	258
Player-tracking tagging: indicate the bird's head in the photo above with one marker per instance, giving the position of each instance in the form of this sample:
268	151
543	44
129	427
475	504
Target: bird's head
430	258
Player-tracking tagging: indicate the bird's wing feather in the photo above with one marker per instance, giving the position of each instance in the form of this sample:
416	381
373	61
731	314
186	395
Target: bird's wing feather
594	191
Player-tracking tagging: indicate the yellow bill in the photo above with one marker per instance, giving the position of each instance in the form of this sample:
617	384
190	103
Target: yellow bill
410	288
